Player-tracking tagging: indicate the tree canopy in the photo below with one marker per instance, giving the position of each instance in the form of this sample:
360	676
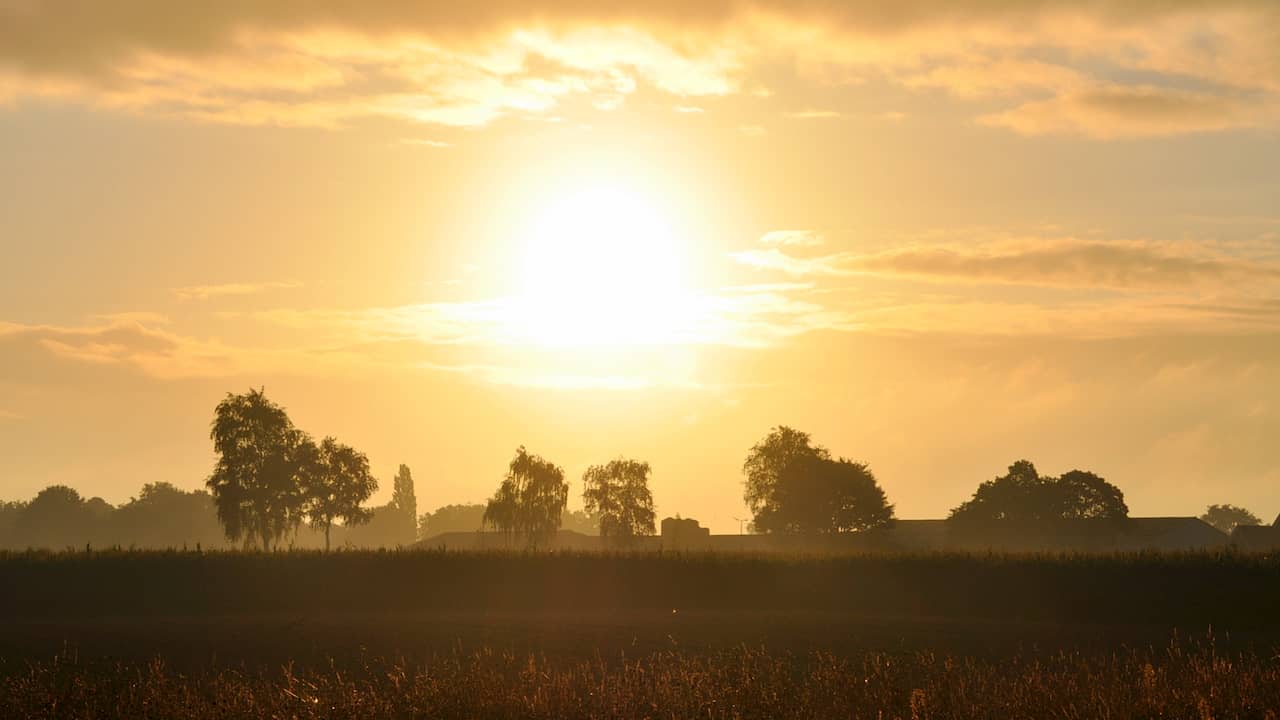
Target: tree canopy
1022	494
336	482
1227	517
793	485
256	483
618	494
530	500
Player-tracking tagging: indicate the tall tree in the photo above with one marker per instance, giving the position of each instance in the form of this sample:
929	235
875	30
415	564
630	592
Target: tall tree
336	482
1228	517
793	485
256	481
1023	494
530	499
618	493
404	503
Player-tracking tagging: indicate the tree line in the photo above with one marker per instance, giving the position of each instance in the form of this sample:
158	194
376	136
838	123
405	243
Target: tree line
272	484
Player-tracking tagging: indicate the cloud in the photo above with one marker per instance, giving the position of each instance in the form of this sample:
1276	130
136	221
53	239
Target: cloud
736	316
752	130
1057	262
1103	70
291	68
814	114
206	292
28	349
424	142
1117	112
1070	262
803	238
985	77
775	259
138	317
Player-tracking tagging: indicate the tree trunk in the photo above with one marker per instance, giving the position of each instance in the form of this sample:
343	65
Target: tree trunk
327	526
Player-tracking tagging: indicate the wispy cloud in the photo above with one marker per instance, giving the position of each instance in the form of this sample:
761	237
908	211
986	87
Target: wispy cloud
1143	111
138	317
206	292
1059	262
801	238
778	260
425	142
814	114
1069	262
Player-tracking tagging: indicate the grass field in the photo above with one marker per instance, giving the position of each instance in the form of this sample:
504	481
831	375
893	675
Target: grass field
429	634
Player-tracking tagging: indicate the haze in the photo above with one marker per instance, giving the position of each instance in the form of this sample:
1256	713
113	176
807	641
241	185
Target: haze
938	236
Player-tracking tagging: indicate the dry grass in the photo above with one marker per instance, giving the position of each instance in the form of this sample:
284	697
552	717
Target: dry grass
444	635
1177	682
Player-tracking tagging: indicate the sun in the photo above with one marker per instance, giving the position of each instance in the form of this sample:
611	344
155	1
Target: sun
602	266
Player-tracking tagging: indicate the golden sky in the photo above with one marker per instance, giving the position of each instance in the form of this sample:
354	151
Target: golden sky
939	236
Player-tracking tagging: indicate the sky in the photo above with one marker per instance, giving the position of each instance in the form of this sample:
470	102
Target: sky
938	236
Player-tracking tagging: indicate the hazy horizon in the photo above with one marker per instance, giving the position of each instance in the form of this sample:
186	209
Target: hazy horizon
939	237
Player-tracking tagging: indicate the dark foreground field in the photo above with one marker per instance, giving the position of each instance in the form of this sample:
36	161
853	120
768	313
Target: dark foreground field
421	634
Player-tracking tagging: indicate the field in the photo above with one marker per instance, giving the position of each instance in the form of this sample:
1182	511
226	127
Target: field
430	634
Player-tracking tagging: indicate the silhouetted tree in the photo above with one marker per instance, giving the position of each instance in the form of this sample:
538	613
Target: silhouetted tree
404	503
530	499
618	492
256	482
58	517
1227	517
469	517
1024	495
9	514
793	485
580	521
336	482
164	516
452	518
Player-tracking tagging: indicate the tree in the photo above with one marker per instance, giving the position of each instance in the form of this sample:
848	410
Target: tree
530	499
580	521
164	516
848	499
452	518
404	503
10	513
1227	517
336	481
618	493
1024	495
59	517
256	483
793	485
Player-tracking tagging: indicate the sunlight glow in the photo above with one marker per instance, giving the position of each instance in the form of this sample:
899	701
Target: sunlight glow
602	266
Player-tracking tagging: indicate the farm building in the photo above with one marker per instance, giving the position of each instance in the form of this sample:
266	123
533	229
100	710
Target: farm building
1258	538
